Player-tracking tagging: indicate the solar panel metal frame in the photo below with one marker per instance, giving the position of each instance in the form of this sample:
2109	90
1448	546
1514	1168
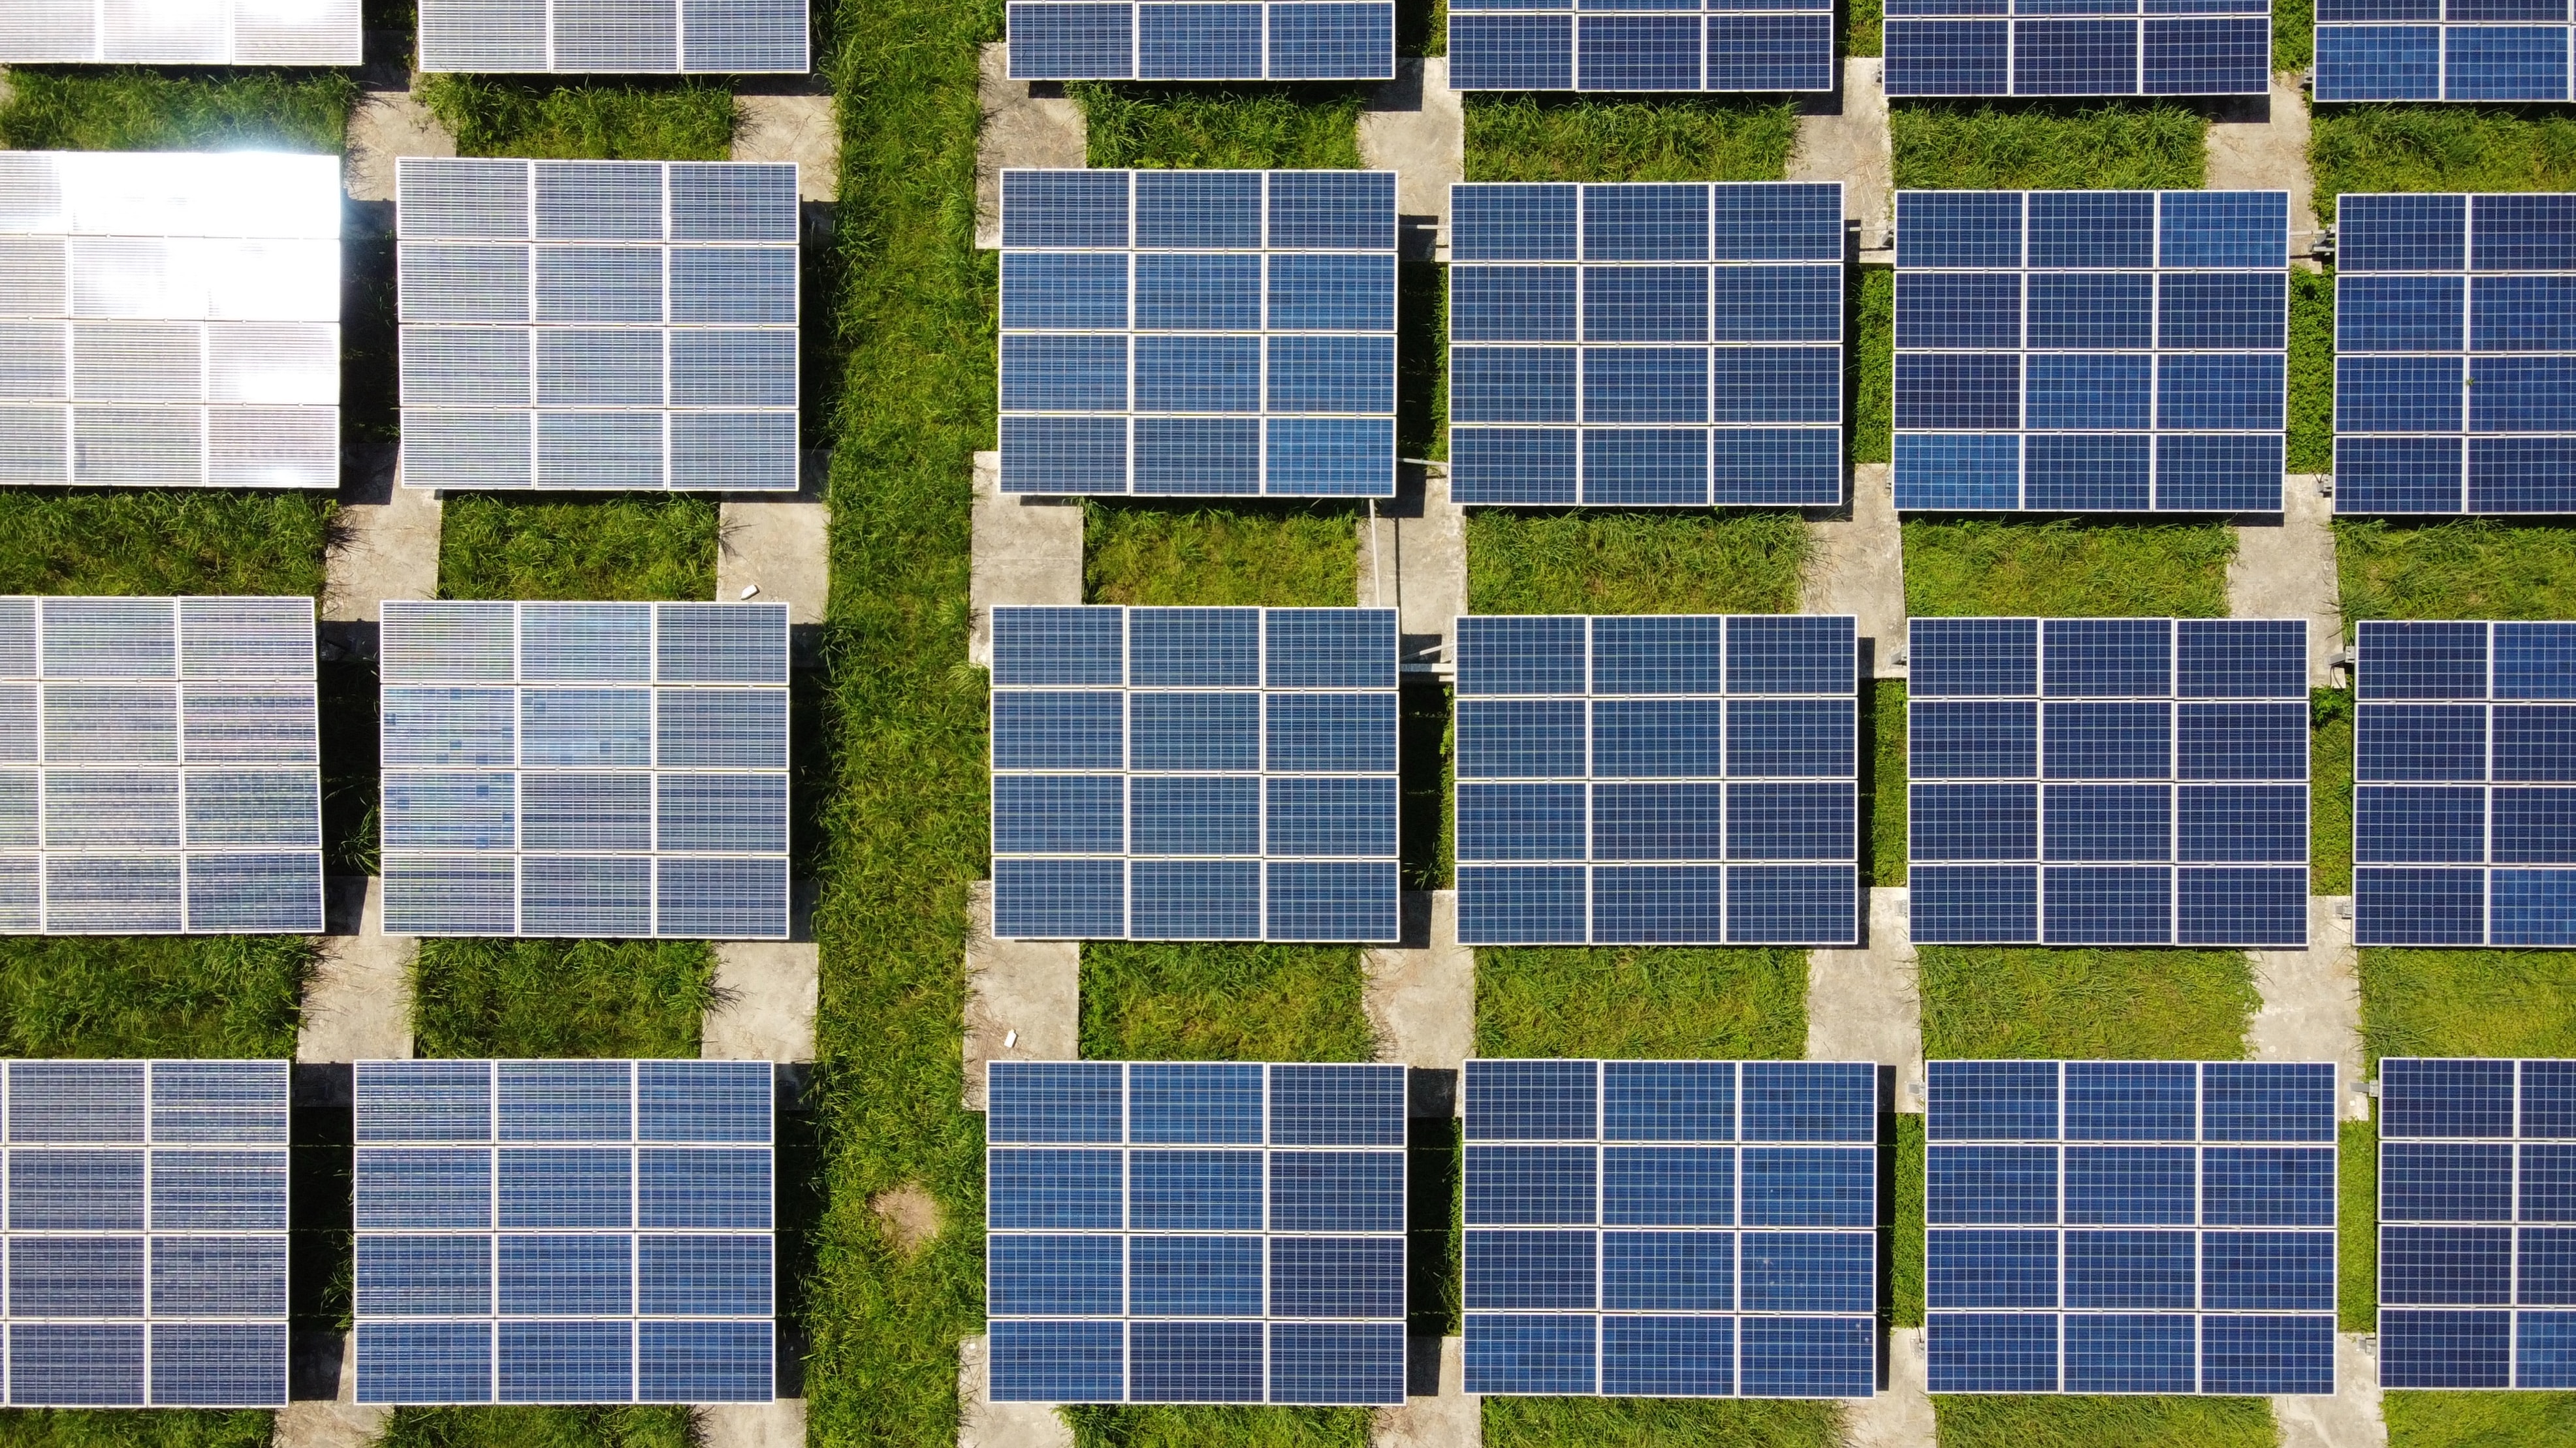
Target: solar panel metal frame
449	1152
160	32
560	331
2381	53
169	320
657	809
186	1162
1058	759
1741	46
1037	1159
1545	1169
1535	445
719	37
1082	428
2053	48
2426	832
1960	468
1112	40
2388	387
2039	1164
1986	886
1513	857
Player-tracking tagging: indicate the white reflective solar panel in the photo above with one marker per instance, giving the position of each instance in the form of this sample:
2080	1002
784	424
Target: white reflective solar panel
564	1232
169	320
146	1233
600	37
180	32
586	769
598	324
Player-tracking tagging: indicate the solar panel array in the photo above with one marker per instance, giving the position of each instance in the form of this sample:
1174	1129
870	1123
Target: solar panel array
169	320
2111	781
1195	1233
599	37
147	1234
1672	1229
2129	1227
180	32
2078	47
2477	1223
1680	780
2464	751
1281	40
564	1232
585	769
2426	50
2455	346
598	324
2091	351
1194	774
1740	45
1199	333
1646	344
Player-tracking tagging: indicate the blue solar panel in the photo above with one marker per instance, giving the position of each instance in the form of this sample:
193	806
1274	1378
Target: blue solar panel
2129	1227
1208	1211
2464	827
1738	45
2108	781
2375	50
1646	345
1194	773
2091	351
2078	48
563	1232
1670	780
1673	1229
2455	341
1198	333
1241	40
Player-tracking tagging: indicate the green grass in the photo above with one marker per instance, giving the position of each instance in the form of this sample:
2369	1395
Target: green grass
630	546
2047	145
1596	561
1872	400
1861	32
686	120
2330	792
1905	1232
560	998
1282	555
1189	1427
1223	1002
1525	138
2462	568
147	541
1642	1003
2467	1003
1290	127
129	108
151	995
1883	798
1659	1423
2357	149
2311	417
2294	40
2002	1003
2357	1227
2091	1422
118	1429
2479	1420
2066	568
539	1428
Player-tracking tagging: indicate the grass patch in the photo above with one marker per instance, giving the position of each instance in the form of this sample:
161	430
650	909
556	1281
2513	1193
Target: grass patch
149	541
2330	792
2311	416
2357	149
1599	561
1525	138
1883	800
2020	1002
1426	779
1223	1002
1642	1003
2467	1003
2479	1420
561	998
2005	1421
129	108
1283	555
50	1428
2048	145
2357	1228
2460	568
2294	38
643	546
2066	568
1246	127
685	120
1871	333
126	996
1905	1235
1660	1423
1176	1426
1862	33
539	1428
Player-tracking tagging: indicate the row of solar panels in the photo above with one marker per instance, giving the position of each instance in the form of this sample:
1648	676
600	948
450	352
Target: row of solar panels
633	36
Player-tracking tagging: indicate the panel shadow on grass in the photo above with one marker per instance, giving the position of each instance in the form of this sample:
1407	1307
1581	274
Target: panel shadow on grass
634	1427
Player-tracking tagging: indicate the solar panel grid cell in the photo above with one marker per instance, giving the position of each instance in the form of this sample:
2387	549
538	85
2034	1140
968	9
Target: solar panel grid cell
1787	45
180	32
2428	52
1283	40
733	37
2087	48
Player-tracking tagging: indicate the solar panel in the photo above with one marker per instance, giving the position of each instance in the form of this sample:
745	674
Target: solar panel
2078	48
1281	40
598	324
180	32
1680	780
1199	333
2455	339
1204	1232
1672	1229
1646	345
564	1232
2411	50
2129	1227
1739	45
2091	351
601	37
169	320
1194	774
2463	824
147	1234
2108	781
585	769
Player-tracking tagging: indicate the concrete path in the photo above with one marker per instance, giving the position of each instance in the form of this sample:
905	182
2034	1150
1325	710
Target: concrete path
1438	1411
2312	1001
799	128
1024	551
1021	128
1421	1000
357	1006
2349	1419
1844	138
779	546
1862	1004
2262	145
778	1424
322	1385
1416	127
1901	1415
384	539
1023	997
383	126
768	992
1858	567
2286	569
1413	559
982	1423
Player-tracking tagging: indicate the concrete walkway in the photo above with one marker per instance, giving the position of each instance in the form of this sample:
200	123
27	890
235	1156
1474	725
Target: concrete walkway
323	1410
799	128
383	126
2349	1419
1844	137
1438	1411
1024	126
983	1423
1415	126
1901	1415
384	539
2312	1001
1023	551
1023	997
1858	567
2286	569
1421	1000
1862	1004
357	1006
1413	559
2261	144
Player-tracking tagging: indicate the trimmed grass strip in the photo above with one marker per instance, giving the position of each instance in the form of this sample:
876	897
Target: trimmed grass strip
1602	561
129	108
2048	145
1283	555
2311	417
634	546
2028	1002
561	998
1223	1002
1660	1423
2359	149
1905	1245
2357	1228
1882	788
128	996
2460	568
1526	138
2330	792
2467	1003
2004	1421
2066	568
1649	1003
645	120
1229	127
149	541
1870	337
